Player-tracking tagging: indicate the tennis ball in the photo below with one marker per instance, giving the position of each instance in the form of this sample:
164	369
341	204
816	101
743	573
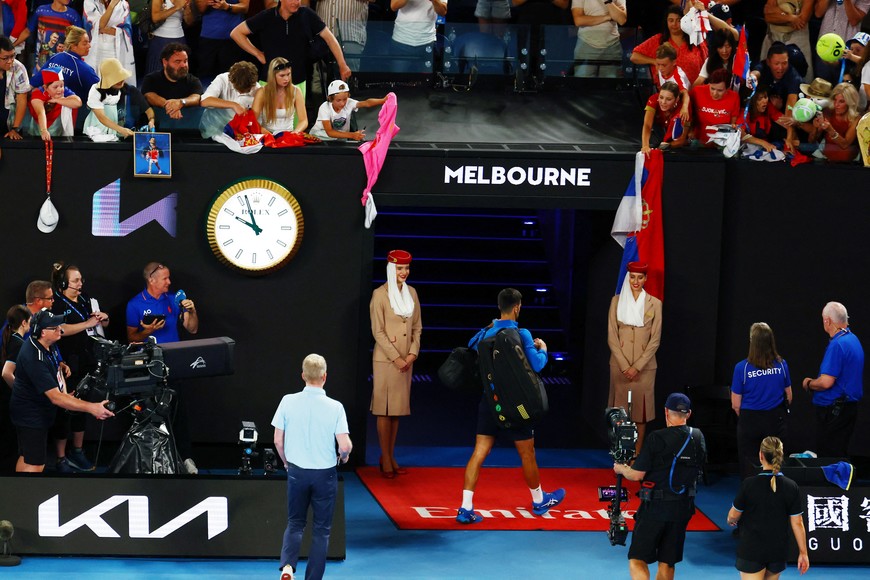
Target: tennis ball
830	47
804	110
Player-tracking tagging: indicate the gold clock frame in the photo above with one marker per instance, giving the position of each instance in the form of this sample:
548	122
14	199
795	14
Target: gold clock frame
234	188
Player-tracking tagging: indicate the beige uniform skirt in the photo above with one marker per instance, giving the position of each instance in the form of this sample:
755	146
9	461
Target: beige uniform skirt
391	390
643	402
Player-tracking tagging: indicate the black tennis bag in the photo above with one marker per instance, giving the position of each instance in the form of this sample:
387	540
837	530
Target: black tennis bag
515	392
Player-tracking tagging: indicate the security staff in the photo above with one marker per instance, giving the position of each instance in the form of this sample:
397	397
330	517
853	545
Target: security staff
839	386
669	465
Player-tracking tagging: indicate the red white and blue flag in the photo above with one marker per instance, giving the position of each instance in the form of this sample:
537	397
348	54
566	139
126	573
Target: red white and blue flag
740	67
638	226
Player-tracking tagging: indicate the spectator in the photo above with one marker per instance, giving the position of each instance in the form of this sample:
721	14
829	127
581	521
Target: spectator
413	42
287	32
280	105
173	88
783	82
842	17
689	58
48	24
865	73
53	108
714	104
14	19
334	116
110	26
763	127
216	51
231	93
492	15
667	70
80	322
662	126
108	101
598	23
13	76
838	125
168	16
78	75
787	23
721	55
760	396
349	17
856	48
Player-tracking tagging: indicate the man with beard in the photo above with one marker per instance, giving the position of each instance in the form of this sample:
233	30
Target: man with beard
173	88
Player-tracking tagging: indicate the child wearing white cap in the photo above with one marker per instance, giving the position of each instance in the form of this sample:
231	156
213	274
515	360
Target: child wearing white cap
333	117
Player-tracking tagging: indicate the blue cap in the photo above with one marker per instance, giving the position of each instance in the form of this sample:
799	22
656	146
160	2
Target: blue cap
678	402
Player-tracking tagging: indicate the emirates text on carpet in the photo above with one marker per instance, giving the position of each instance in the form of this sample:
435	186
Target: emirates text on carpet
548	176
433	512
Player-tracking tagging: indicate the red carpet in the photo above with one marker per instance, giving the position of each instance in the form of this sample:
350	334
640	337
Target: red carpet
427	499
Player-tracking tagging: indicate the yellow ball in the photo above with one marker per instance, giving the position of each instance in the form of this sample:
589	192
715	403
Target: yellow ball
830	47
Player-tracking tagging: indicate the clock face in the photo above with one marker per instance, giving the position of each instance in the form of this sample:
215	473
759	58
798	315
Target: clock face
255	226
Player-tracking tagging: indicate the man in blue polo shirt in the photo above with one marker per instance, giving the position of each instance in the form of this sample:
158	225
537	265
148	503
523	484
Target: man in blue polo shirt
307	426
154	312
839	385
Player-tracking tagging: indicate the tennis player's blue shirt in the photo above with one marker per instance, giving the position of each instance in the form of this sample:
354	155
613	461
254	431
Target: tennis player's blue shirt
537	357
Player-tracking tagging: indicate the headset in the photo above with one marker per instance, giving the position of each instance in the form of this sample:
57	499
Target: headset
62	271
38	323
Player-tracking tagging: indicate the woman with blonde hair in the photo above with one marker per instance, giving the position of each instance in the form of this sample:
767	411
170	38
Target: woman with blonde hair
760	395
78	75
838	125
766	506
280	105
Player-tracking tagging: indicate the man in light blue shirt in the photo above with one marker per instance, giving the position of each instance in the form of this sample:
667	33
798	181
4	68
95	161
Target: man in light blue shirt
307	426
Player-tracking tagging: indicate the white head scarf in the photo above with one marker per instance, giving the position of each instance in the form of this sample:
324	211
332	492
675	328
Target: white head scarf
401	301
628	310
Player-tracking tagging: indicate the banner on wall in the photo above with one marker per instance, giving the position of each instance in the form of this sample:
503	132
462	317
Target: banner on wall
197	517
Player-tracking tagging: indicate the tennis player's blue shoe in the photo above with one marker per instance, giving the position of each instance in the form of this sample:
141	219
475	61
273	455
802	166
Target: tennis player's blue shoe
550	500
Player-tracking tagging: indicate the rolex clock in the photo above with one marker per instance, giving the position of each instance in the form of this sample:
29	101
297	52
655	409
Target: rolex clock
255	226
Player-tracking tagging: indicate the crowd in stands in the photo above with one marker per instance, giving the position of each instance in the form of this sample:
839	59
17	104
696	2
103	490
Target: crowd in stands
73	66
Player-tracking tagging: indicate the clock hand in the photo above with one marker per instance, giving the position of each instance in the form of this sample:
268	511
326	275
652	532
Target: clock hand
257	230
253	219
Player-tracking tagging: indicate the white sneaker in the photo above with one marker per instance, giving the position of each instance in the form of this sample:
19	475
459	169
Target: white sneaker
189	467
287	572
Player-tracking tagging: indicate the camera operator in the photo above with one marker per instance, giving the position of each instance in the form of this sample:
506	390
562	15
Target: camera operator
76	347
40	387
669	465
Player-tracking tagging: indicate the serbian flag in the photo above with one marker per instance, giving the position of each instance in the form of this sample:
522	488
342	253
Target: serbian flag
741	57
375	152
637	226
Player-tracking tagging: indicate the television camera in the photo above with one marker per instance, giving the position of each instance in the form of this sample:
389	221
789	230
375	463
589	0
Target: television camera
124	370
623	437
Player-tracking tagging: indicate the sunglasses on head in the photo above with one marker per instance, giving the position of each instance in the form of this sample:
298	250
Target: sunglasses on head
282	66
